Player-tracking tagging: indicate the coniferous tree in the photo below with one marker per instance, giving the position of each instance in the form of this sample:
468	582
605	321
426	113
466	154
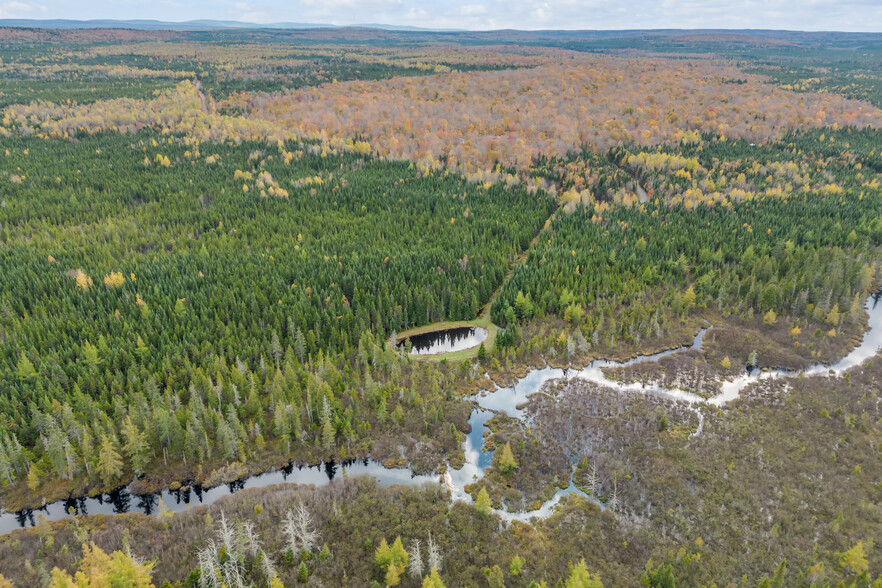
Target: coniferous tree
110	464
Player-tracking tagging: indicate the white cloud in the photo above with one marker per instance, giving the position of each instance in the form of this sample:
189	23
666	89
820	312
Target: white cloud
473	10
417	13
16	10
542	12
346	11
248	13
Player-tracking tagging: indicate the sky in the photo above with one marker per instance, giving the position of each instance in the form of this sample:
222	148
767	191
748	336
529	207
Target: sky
810	15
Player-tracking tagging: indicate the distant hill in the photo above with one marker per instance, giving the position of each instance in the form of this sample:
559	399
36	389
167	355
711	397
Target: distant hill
678	40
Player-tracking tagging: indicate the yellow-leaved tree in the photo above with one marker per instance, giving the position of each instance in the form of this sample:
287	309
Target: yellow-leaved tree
392	560
580	577
433	580
855	559
100	570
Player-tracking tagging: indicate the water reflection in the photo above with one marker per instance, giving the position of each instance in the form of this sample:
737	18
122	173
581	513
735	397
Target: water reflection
122	500
505	399
446	341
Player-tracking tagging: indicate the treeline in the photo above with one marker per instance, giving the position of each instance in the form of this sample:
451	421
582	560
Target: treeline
93	71
621	273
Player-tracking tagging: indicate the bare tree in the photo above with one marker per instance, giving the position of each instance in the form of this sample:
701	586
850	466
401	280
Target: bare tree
209	570
239	542
435	559
415	564
268	565
299	529
592	482
614	497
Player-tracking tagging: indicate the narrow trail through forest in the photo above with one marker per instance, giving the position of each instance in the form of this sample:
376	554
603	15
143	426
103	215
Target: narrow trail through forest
484	313
483	318
202	97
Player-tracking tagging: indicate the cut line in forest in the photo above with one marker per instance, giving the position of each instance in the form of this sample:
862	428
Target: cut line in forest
483	320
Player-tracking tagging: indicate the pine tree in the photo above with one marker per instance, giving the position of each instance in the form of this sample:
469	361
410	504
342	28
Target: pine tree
482	502
6	469
90	356
580	577
433	580
110	464
328	431
833	316
393	560
276	348
135	446
299	345
25	368
33	479
507	462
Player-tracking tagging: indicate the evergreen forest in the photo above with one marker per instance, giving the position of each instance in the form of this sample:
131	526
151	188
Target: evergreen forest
218	247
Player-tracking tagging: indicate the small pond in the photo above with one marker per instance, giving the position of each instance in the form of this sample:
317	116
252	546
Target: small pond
477	460
446	341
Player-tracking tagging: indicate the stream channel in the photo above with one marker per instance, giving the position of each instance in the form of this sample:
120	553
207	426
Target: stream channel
477	460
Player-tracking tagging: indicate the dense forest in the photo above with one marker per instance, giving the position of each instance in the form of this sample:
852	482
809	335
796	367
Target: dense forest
183	297
669	254
210	242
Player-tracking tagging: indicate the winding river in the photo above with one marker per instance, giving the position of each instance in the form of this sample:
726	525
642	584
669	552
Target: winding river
505	399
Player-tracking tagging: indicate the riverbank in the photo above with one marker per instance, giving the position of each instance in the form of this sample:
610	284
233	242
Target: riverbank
752	458
509	400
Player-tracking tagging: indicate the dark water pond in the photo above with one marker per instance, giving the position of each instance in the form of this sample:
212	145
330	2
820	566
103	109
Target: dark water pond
506	399
447	341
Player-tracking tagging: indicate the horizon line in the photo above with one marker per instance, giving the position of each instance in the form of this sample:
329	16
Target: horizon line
219	24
